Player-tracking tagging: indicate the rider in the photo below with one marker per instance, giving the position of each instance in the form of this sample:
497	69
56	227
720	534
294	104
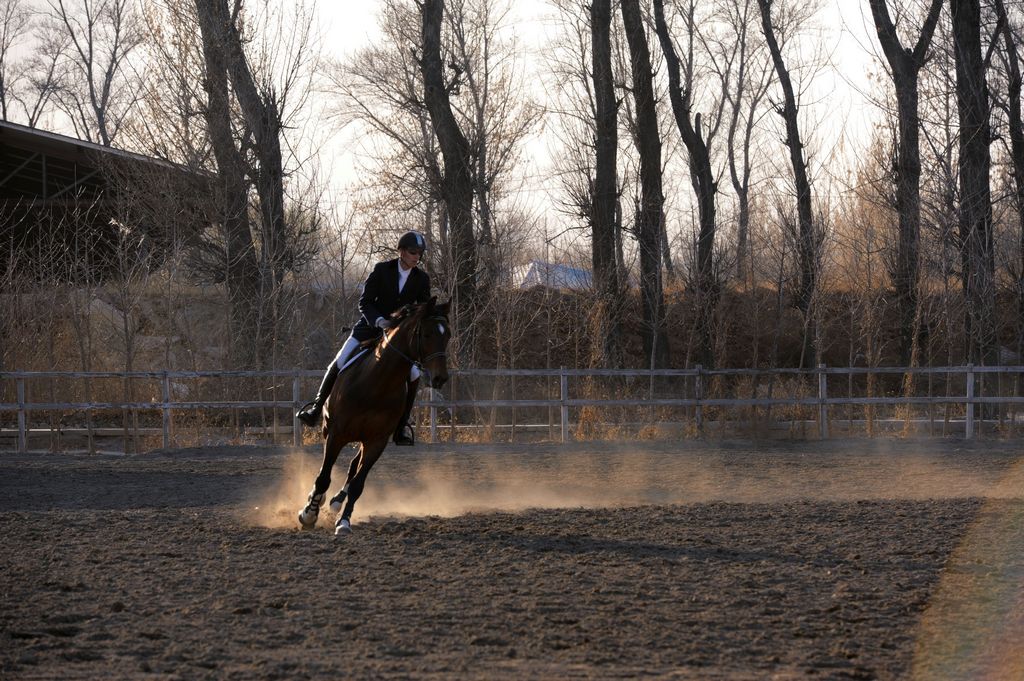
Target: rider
391	284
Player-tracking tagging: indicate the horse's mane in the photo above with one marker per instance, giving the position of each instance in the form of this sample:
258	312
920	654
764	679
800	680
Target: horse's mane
429	307
405	312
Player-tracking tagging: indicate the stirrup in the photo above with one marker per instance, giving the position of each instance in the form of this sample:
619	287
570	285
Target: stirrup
309	414
405	436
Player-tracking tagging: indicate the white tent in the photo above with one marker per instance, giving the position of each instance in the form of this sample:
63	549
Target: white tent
551	275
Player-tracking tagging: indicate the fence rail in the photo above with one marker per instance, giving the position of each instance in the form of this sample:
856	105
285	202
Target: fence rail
696	385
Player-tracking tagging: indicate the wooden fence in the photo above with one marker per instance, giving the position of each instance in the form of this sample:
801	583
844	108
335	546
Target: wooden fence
670	396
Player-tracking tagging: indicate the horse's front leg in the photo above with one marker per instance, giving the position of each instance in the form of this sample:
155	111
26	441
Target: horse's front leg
368	455
309	514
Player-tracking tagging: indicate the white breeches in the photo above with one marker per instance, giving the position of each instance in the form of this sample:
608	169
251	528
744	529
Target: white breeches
349	348
346	352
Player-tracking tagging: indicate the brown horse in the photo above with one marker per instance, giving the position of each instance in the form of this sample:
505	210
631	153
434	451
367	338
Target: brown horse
369	398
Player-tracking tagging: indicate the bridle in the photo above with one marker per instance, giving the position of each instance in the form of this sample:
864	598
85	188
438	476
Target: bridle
418	331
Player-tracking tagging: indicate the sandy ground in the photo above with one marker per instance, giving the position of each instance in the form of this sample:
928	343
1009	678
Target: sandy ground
693	560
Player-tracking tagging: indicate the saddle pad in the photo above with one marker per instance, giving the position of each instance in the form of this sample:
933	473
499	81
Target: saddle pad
354	358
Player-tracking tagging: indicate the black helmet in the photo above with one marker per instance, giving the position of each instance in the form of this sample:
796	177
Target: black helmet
413	240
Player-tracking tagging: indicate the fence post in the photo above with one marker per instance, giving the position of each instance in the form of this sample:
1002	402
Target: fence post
969	426
296	426
433	416
275	418
822	406
165	396
698	389
22	434
453	391
563	386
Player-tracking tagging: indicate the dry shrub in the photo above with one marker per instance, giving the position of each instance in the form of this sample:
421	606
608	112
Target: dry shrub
743	388
590	425
656	431
795	387
311	436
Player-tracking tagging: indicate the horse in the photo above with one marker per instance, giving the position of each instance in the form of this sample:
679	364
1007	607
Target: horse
369	398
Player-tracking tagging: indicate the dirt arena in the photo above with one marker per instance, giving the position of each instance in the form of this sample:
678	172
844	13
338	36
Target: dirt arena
864	559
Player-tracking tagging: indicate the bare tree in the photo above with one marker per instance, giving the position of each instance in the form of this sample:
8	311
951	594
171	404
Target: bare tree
604	225
97	88
456	182
170	123
585	71
15	26
701	175
500	113
234	255
975	212
745	73
904	65
650	211
262	240
940	248
43	76
261	114
807	241
28	84
496	113
1012	106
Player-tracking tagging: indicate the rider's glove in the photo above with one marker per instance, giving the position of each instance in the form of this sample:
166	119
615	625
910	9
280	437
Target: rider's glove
383	323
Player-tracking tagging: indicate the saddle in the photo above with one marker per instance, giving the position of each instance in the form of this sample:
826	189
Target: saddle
361	351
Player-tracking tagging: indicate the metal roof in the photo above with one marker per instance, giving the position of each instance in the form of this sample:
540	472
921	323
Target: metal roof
38	165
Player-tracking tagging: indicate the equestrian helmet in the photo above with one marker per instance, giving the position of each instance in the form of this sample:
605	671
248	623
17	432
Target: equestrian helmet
413	239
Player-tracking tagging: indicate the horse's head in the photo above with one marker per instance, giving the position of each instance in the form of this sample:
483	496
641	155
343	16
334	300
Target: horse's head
434	333
430	332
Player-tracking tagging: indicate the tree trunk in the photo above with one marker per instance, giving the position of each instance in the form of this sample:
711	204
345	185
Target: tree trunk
457	183
807	242
603	222
908	208
241	271
259	109
975	214
741	185
704	186
904	65
650	211
1016	154
751	85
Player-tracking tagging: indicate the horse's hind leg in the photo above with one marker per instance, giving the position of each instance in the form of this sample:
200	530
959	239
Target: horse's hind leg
338	499
309	514
368	455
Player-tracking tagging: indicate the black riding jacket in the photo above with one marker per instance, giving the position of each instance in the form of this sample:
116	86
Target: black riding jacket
381	296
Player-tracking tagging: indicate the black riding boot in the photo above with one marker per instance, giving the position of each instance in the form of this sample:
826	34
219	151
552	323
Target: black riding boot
403	433
310	412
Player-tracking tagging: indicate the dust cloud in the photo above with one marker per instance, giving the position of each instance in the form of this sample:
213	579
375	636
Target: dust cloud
436	481
280	508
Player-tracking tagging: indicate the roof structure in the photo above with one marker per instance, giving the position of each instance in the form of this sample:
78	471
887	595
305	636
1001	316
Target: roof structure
67	206
552	275
41	166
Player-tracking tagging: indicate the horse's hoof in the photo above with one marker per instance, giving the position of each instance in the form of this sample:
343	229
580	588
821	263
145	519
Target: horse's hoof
308	515
307	518
337	500
343	528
